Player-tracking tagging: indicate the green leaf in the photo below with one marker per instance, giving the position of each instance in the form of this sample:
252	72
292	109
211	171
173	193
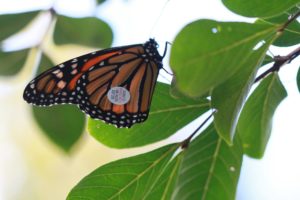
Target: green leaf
258	8
62	124
135	178
166	116
165	185
210	168
255	123
206	53
12	62
229	97
298	79
89	31
12	23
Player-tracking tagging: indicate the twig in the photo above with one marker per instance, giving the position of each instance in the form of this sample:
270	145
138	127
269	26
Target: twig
185	143
291	19
279	61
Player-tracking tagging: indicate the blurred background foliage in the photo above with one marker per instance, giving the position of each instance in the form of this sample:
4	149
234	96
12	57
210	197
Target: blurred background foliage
67	122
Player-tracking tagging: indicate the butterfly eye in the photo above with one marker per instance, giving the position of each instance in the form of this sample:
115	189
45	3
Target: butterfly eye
114	85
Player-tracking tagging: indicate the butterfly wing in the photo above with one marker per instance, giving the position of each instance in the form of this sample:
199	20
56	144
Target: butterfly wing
132	72
86	81
58	84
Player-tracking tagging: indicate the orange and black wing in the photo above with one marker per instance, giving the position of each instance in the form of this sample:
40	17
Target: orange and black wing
87	80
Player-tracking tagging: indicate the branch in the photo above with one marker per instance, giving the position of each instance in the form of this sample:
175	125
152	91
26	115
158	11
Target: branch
185	143
290	20
279	61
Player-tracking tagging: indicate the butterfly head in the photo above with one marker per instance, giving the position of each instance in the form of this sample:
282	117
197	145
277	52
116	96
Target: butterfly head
152	53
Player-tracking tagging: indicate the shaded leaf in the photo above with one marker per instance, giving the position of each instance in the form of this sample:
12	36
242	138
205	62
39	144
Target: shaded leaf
298	79
255	123
228	98
210	168
166	116
206	53
291	34
88	31
12	62
132	178
12	23
258	8
62	124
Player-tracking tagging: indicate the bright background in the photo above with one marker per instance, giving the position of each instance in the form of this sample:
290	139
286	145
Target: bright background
33	168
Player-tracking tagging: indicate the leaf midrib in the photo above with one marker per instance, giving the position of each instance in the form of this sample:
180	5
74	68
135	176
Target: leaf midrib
178	108
144	172
211	169
227	48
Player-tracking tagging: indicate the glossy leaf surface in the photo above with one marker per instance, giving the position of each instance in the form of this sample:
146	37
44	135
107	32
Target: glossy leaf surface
210	169
228	98
255	123
206	53
145	176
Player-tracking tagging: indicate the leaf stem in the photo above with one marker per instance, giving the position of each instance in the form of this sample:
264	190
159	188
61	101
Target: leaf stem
185	143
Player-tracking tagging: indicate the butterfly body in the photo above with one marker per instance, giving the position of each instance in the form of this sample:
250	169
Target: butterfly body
87	80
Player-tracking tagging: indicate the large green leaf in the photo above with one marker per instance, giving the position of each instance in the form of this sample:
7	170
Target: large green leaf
210	168
89	31
146	176
12	62
12	23
206	53
259	8
228	98
165	185
255	123
63	124
166	116
290	35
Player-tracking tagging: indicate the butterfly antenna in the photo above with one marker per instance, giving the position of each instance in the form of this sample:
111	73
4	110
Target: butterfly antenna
168	72
159	17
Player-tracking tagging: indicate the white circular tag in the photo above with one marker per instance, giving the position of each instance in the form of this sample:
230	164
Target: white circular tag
118	95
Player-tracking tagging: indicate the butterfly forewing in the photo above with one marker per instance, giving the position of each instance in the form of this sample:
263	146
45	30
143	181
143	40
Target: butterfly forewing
86	81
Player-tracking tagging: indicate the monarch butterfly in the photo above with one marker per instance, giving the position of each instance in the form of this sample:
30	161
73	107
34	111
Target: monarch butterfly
114	85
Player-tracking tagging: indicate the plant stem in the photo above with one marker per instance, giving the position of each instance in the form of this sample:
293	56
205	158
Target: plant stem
279	61
291	19
185	143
